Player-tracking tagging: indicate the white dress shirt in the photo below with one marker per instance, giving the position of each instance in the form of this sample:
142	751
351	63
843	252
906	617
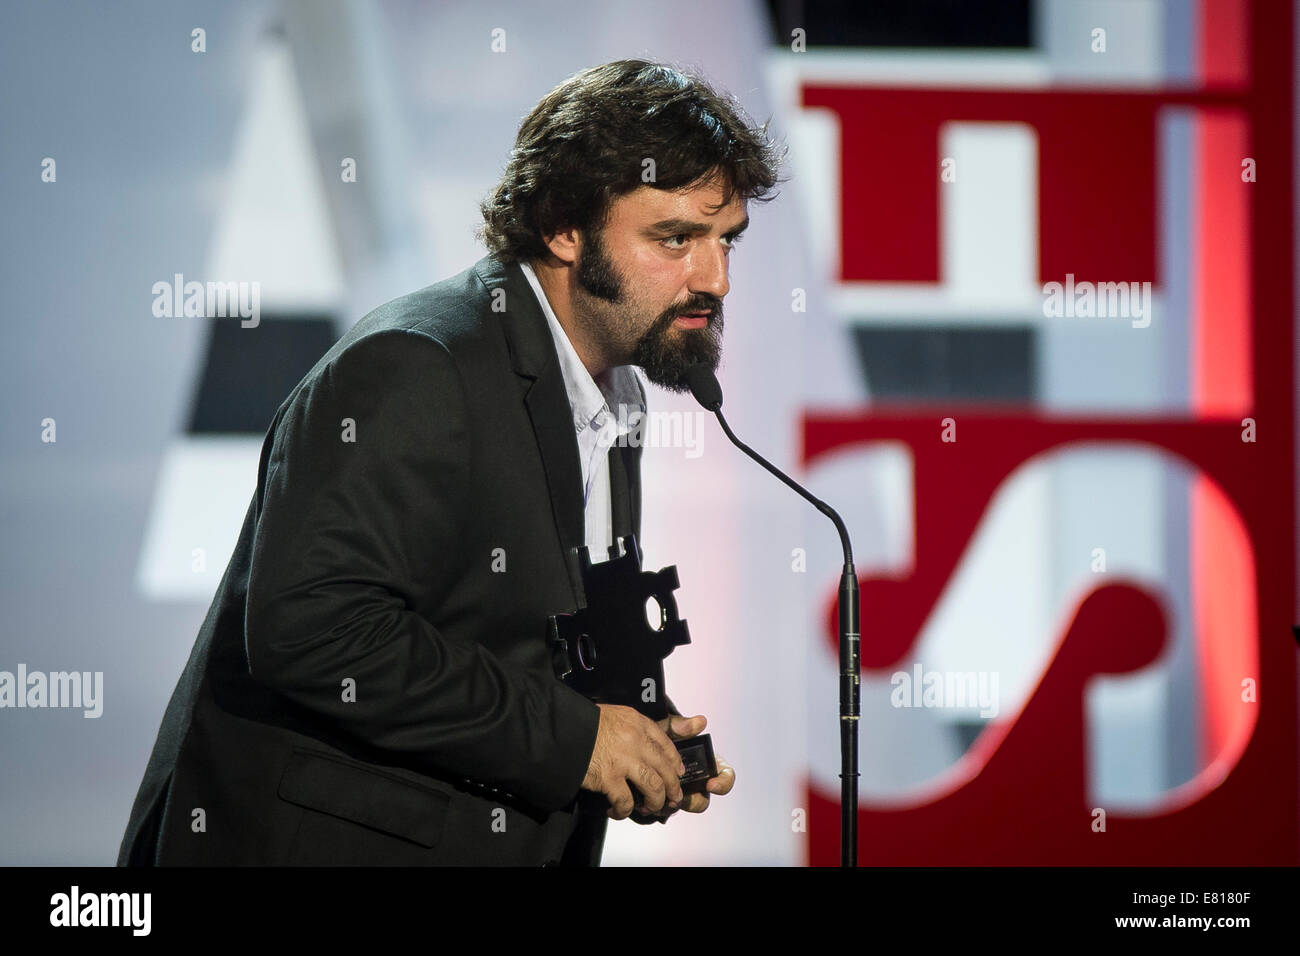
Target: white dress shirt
597	422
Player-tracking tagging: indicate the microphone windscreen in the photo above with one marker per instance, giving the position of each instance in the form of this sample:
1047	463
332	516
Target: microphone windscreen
704	386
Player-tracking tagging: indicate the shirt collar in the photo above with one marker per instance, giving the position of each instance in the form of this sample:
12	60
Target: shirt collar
592	402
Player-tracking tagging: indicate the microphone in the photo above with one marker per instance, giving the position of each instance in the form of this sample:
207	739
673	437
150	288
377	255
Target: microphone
704	385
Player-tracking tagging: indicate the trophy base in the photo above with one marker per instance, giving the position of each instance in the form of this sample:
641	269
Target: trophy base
701	766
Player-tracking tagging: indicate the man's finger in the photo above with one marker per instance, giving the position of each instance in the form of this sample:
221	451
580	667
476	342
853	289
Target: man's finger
696	802
640	813
620	800
652	787
664	758
725	780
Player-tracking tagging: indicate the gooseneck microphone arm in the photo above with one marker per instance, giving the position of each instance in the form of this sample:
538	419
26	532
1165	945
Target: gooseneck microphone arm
817	503
704	386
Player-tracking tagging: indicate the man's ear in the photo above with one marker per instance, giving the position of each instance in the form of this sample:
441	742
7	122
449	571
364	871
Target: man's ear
565	244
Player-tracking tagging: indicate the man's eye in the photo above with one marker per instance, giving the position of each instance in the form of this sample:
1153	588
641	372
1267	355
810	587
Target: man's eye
672	241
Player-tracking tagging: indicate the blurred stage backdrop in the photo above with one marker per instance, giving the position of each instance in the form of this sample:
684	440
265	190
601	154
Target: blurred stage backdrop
1024	314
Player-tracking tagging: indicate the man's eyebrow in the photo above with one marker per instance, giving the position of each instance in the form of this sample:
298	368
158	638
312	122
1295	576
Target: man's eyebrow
688	227
744	224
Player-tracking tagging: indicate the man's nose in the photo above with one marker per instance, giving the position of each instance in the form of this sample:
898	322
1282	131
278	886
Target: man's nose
709	270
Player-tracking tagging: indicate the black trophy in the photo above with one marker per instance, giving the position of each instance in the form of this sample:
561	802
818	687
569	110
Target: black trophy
608	652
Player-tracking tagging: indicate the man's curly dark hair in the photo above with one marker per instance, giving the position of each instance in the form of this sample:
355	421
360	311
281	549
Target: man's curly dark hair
593	137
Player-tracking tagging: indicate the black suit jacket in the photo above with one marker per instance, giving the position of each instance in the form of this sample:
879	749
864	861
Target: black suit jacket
372	684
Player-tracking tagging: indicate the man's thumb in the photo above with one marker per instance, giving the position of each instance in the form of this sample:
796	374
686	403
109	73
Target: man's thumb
679	726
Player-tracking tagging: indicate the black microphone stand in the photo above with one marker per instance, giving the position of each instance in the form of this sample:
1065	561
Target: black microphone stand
704	386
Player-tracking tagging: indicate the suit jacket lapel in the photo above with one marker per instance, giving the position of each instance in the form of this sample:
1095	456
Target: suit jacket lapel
533	358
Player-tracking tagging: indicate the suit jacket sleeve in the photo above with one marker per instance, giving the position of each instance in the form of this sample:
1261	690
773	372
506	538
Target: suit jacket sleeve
347	532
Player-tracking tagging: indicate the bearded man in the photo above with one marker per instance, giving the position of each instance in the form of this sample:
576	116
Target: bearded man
372	683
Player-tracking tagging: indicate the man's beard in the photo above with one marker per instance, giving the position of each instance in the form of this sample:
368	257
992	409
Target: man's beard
663	351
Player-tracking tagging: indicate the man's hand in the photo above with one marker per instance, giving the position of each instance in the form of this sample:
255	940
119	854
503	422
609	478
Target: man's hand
632	749
677	727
